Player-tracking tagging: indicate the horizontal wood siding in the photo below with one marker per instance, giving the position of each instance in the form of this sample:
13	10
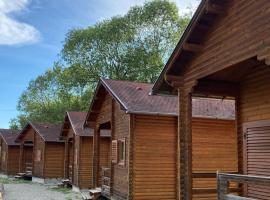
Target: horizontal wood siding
120	173
38	164
214	147
104	154
86	162
155	162
13	160
240	34
4	153
54	160
27	152
105	111
255	106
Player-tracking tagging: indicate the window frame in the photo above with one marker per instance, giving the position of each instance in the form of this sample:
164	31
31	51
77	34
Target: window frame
121	152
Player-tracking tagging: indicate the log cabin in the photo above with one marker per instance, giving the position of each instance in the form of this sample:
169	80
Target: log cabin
42	152
143	159
79	150
225	53
9	152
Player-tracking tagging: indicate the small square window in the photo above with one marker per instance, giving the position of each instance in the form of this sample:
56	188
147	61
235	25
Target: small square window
121	151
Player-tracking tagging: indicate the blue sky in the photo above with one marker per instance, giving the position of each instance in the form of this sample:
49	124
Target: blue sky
31	35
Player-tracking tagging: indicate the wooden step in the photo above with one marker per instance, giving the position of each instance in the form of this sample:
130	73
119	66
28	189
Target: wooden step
95	193
86	196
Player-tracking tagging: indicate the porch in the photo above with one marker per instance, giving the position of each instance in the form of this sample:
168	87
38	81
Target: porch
248	83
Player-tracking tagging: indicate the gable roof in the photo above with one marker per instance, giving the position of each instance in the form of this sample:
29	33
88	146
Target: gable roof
204	17
9	136
135	98
48	132
76	121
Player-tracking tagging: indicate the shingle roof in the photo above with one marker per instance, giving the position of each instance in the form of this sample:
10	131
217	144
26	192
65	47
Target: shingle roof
77	120
135	98
9	136
49	132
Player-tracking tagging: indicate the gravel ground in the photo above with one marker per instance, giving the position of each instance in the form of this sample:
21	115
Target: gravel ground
24	191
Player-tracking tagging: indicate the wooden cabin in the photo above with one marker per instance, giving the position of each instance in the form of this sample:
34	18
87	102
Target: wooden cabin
79	150
9	152
42	151
225	53
143	162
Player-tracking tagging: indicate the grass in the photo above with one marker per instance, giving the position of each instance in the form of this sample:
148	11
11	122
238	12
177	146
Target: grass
13	181
62	190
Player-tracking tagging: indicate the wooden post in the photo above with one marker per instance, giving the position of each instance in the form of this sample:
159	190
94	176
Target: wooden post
185	143
96	157
66	159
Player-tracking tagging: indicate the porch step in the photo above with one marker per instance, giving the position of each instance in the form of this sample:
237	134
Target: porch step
95	193
21	174
86	196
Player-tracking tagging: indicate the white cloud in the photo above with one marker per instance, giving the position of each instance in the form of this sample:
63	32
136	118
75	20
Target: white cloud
12	31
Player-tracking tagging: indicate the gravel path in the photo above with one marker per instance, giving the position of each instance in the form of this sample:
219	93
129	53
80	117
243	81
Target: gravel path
36	192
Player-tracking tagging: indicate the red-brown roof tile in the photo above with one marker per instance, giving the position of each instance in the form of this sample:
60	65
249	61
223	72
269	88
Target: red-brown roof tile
9	136
135	98
48	132
77	119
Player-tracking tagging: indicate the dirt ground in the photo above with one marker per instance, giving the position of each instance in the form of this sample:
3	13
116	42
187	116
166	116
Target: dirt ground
26	190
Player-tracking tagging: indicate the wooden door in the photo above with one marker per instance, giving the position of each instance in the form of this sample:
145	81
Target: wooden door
28	159
257	156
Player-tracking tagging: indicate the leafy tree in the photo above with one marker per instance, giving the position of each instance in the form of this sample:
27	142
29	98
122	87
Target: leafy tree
134	46
130	47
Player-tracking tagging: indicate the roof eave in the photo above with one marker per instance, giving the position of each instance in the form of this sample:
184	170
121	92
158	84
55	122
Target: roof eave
151	113
158	83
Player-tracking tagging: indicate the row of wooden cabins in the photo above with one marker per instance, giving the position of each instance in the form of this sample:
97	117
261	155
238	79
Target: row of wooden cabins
208	111
127	144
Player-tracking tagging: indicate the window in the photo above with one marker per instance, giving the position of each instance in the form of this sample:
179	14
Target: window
121	151
38	155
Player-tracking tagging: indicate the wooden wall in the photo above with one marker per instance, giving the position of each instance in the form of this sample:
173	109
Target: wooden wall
26	152
121	129
86	162
214	147
254	106
4	153
54	160
154	157
13	160
239	35
105	112
104	154
255	96
39	145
